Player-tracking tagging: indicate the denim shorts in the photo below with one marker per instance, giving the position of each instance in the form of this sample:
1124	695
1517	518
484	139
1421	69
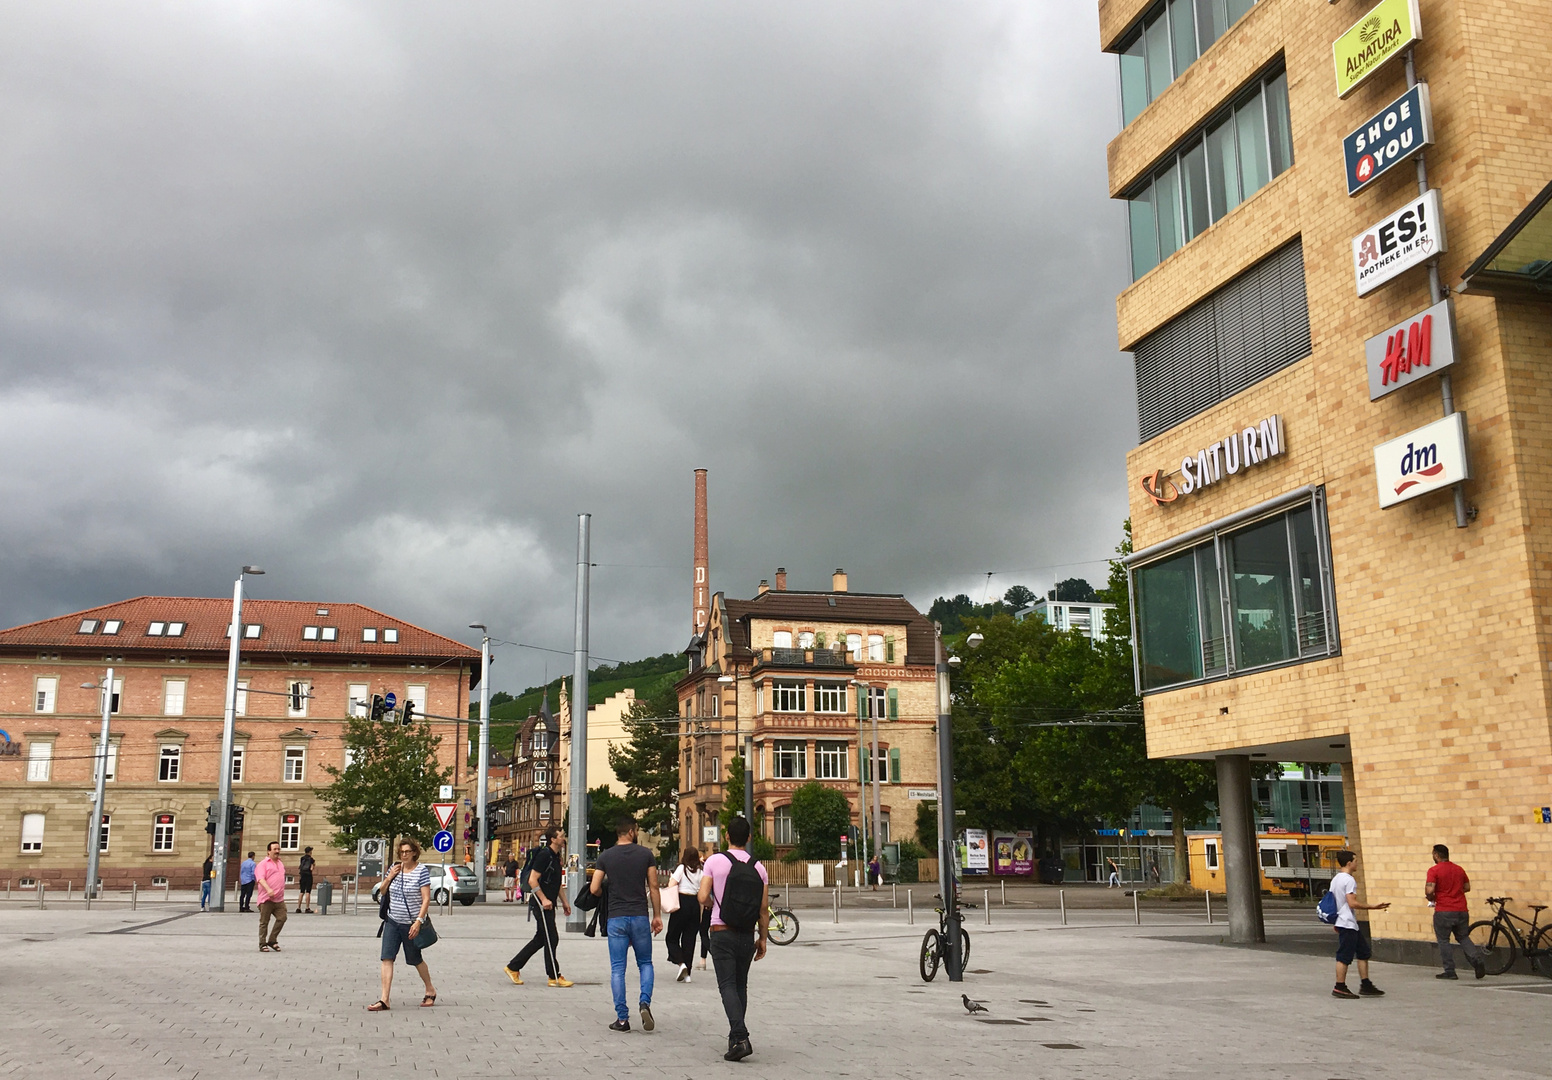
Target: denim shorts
1349	944
394	935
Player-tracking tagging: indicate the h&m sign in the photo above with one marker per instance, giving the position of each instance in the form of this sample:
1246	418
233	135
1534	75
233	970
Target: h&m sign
1389	137
1411	350
1251	445
1407	238
1430	458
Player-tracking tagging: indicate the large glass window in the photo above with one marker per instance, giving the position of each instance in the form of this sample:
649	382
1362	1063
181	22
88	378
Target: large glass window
1236	154
830	697
790	760
830	760
1250	597
1167	40
782	834
787	697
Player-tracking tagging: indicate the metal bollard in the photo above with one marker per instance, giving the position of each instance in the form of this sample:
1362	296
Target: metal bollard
1061	896
835	898
166	890
1004	894
1136	907
986	902
910	909
69	891
88	895
1208	894
894	891
134	895
41	887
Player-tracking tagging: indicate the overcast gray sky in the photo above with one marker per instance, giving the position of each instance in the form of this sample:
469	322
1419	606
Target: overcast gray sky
381	296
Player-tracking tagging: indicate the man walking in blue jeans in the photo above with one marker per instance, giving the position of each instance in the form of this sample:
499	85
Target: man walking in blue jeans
632	874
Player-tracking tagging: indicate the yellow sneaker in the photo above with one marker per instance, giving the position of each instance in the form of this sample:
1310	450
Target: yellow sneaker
560	981
515	976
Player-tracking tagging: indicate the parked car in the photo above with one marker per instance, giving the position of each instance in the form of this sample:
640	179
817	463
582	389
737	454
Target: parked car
460	880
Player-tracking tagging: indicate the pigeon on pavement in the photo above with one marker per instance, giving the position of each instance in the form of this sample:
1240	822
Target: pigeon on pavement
972	1006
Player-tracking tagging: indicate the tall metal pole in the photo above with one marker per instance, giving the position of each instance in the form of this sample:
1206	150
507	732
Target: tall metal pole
878	833
94	837
228	733
946	883
576	813
748	776
481	786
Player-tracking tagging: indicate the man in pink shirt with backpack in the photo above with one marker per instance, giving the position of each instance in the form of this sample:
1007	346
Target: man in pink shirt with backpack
269	880
740	894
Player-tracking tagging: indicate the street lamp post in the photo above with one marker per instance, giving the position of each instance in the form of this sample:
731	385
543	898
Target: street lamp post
482	826
228	737
947	886
94	836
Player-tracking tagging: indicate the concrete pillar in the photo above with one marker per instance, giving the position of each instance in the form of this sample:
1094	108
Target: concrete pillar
1241	861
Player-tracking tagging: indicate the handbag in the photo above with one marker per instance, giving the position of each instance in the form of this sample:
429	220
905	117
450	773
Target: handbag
427	936
670	898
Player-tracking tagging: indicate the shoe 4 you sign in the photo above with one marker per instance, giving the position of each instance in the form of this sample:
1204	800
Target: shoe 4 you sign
1395	134
1390	247
1430	458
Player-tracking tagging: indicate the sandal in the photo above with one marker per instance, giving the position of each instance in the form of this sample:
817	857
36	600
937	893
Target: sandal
273	947
263	948
428	1001
378	1006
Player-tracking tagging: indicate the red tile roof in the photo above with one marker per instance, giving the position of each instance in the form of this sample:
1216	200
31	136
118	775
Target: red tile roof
205	622
874	608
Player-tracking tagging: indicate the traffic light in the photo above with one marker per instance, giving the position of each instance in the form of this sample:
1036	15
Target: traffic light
234	820
378	708
408	717
212	816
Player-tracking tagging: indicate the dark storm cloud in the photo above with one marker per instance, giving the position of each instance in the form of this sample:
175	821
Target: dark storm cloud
382	295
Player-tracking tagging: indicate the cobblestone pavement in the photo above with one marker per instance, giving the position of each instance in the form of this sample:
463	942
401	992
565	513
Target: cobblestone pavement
173	993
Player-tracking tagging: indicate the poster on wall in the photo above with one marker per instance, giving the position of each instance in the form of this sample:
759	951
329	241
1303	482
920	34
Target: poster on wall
1393	245
977	854
1013	854
1427	459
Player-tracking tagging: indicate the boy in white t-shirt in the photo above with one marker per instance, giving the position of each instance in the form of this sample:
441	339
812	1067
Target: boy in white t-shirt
1350	941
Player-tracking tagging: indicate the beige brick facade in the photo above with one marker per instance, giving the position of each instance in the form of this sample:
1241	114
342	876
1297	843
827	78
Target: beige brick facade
1442	686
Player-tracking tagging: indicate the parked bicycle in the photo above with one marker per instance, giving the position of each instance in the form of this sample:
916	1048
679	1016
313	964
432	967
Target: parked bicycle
783	925
934	948
1501	941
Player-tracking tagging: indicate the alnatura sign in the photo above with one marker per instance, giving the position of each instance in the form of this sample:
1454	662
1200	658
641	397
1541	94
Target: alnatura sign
1238	451
1430	458
1411	236
1373	41
1389	137
1421	346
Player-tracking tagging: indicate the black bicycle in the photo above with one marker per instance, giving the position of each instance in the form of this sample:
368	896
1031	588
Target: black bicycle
934	948
1501	941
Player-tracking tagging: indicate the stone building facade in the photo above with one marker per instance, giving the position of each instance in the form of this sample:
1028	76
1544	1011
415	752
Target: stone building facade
304	668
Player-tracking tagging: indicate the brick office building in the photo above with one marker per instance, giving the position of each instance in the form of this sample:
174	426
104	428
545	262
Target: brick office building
304	667
1308	586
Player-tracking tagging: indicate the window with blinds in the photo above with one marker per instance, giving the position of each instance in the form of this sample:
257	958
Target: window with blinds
1255	325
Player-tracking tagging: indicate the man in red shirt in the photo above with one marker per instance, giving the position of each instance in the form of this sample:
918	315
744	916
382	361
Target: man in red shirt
1446	890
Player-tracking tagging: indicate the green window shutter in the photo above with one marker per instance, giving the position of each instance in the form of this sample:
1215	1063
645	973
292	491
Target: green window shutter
894	765
862	764
862	702
894	704
889	648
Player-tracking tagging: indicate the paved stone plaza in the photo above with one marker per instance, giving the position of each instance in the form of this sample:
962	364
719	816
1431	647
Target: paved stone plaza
162	992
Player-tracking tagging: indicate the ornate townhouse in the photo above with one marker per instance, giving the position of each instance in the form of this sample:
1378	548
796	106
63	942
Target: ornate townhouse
304	668
532	800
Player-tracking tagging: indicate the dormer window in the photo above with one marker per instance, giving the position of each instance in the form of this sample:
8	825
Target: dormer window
175	629
541	742
156	629
112	626
88	626
369	633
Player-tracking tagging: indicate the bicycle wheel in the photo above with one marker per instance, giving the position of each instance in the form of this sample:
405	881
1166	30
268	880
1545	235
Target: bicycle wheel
931	954
1496	944
964	949
1540	951
783	927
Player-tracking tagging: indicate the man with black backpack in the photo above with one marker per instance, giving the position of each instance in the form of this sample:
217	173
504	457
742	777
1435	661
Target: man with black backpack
545	889
740	894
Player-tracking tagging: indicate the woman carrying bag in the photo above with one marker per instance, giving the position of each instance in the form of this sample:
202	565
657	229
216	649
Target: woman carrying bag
684	922
407	891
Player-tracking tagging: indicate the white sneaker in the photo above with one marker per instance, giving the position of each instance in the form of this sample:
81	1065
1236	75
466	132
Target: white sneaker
684	973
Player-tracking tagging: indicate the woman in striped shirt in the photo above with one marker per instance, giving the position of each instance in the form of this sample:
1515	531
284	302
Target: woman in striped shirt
409	898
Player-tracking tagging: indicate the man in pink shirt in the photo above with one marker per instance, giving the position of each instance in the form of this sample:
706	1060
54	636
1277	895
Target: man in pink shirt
269	880
738	939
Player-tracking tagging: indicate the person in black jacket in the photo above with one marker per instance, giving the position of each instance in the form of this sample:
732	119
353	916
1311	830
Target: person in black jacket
545	889
304	891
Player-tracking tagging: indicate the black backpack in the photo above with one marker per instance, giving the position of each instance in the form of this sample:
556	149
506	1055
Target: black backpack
742	894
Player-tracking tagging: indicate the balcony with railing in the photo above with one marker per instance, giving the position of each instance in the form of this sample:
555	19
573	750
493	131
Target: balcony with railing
805	658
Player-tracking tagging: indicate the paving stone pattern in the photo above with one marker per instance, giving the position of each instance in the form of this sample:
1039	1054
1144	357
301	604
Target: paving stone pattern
114	994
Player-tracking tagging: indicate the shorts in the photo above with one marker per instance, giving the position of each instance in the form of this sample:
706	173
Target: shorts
307	883
508	882
1350	944
395	935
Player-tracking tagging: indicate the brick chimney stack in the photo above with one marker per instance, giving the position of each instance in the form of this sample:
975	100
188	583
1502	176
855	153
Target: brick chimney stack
838	580
701	601
781	579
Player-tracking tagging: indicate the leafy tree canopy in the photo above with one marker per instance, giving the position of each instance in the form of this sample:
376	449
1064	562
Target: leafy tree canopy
647	763
820	816
388	787
1075	589
1019	597
604	809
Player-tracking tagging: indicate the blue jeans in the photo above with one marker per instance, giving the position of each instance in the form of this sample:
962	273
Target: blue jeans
204	892
629	932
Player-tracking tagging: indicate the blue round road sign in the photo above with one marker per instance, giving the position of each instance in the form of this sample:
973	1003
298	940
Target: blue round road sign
389	700
443	841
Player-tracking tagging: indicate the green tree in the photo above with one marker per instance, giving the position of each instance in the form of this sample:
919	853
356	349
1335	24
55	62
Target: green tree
388	786
927	826
647	763
1019	597
604	809
820	816
732	793
1075	589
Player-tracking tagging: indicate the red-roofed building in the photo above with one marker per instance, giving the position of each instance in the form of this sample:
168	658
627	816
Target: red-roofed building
305	667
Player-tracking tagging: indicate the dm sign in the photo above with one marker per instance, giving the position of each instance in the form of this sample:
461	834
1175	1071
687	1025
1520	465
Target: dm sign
1388	138
1430	458
1374	40
1412	235
1410	350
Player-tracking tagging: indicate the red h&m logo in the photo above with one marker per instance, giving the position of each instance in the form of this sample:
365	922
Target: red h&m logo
1407	348
1423	461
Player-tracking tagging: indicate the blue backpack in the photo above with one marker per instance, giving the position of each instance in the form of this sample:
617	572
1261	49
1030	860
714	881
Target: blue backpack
1326	910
